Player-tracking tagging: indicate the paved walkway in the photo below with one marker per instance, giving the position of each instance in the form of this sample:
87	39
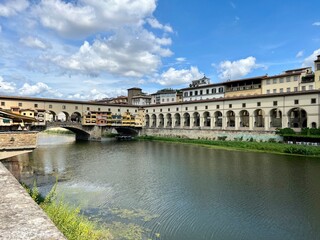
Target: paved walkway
20	216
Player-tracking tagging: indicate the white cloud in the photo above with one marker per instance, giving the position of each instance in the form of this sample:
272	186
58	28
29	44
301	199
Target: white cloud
86	17
309	61
6	87
34	42
174	77
180	59
236	69
154	23
300	54
95	94
38	89
128	53
316	24
13	7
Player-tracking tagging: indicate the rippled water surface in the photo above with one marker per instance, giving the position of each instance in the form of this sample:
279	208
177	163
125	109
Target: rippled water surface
178	191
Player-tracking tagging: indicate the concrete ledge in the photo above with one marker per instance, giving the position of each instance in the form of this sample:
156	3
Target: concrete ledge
20	216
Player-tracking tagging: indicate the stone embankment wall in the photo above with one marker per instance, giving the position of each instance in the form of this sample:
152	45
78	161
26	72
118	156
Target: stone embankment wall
18	140
259	136
20	217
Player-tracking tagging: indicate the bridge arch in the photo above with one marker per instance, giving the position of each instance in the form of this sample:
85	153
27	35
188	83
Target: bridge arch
297	118
186	117
161	120
218	119
62	116
169	120
147	120
275	118
75	117
231	119
196	119
244	118
206	119
177	120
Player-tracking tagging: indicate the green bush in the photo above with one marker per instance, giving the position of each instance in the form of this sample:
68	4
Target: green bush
285	131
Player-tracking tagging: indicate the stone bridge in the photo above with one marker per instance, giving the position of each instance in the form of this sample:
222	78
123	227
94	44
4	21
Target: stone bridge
90	133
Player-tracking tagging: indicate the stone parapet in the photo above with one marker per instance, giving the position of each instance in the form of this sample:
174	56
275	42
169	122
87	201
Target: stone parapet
18	140
20	216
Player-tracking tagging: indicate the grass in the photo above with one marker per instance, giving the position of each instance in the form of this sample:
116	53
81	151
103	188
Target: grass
272	147
68	220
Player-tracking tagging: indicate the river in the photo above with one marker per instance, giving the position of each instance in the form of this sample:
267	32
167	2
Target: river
179	191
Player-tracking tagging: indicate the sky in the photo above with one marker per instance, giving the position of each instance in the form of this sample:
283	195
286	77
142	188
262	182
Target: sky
93	49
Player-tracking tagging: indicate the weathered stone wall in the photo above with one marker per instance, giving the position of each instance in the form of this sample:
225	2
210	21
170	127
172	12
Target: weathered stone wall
18	140
20	217
213	134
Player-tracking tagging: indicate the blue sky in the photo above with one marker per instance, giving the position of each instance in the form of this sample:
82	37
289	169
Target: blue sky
91	49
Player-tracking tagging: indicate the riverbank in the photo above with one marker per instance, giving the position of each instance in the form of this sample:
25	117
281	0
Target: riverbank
271	147
20	216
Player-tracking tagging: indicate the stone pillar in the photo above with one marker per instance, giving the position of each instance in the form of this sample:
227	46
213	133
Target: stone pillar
266	122
191	121
285	121
251	122
211	122
236	122
201	125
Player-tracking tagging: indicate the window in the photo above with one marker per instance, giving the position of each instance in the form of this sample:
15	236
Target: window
258	104
268	91
207	91
281	90
243	105
135	110
214	90
296	89
162	99
275	81
274	90
190	93
160	109
186	108
288	89
288	79
50	106
177	109
195	108
88	108
20	104
76	107
218	106
296	101
313	100
168	109
318	66
275	103
118	109
99	109
310	87
63	106
303	88
230	105
295	78
201	92
220	89
3	103
268	81
167	99
206	107
147	110
154	110
195	93
185	94
35	105
172	99
281	80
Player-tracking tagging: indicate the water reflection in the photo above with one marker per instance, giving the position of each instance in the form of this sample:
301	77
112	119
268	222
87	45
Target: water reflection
194	192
